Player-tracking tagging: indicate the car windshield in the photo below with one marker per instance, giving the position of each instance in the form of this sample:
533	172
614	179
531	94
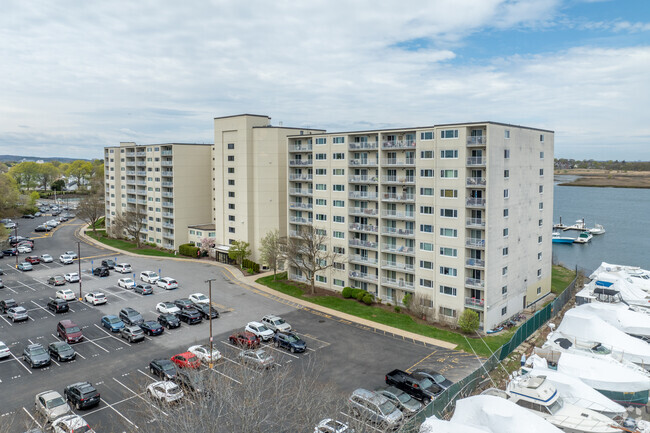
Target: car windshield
19	310
171	281
114	320
153	275
426	383
263	328
99	295
439	378
403	397
72	329
136	330
168	367
280	322
58	401
387	407
192	359
82	429
555	407
128	280
293	339
38	351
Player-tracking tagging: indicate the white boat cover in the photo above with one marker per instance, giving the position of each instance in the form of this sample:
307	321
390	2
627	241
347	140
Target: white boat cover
630	293
632	274
576	392
604	374
497	415
435	425
584	329
619	316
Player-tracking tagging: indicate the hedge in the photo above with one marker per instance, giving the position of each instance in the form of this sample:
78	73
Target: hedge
249	264
188	250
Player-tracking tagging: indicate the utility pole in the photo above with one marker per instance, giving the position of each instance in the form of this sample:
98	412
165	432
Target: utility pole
210	317
79	260
16	244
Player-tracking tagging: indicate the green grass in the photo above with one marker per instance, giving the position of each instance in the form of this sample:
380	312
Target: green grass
561	277
128	246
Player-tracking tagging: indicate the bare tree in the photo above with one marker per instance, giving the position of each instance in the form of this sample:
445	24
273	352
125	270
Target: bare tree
130	223
309	253
272	250
91	208
419	305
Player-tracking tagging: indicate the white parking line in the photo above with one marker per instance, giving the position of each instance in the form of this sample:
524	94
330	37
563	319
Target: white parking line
19	362
325	343
118	412
33	419
39	281
146	375
8	323
7	287
271	346
20	282
111	335
91	341
225	375
140	396
44	309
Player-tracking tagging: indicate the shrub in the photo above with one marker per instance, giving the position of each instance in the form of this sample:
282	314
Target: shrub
251	266
406	300
397	309
360	294
188	250
468	321
347	292
367	299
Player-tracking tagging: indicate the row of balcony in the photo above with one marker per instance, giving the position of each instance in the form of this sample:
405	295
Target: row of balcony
474	182
473	161
300	177
297	205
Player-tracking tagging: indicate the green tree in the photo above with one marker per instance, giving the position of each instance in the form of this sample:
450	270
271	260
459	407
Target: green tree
468	322
47	173
272	249
57	185
9	195
80	171
26	174
239	251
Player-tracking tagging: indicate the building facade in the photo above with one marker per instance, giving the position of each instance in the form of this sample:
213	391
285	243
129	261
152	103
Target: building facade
458	215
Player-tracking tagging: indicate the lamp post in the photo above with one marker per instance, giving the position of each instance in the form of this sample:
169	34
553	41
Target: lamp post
16	244
79	261
210	316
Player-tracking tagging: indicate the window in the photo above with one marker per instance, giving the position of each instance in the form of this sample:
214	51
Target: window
231	170
447	290
426	191
231	218
338	203
539	256
449	213
231	158
338	235
338	140
322	247
541	189
504	290
321	217
338	219
340	155
426	228
231	146
541	155
505	232
540	222
539	290
426	154
506	174
338	187
321	187
505	213
539	273
506	133
192	232
320	156
449	174
452	272
541	205
447	154
321	172
504	310
506	153
426	264
426	283
449	193
426	246
449	252
231	193
321	278
336	281
541	172
448	312
321	202
321	232
541	138
539	239
338	250
426	210
321	140
504	271
426	172
450	233
506	193
339	172
231	182
449	133
504	252
426	135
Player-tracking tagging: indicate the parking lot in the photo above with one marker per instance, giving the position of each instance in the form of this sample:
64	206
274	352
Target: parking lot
353	356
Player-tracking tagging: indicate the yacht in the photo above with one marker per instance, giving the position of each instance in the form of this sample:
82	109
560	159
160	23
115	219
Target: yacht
557	238
583	237
633	275
597	230
620	316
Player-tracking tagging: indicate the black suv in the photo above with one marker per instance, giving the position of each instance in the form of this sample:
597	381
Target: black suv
130	316
163	368
6	304
183	303
101	271
169	320
206	311
108	263
81	395
289	341
190	316
58	305
61	351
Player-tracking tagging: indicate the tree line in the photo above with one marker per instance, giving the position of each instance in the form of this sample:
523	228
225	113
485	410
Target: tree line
564	164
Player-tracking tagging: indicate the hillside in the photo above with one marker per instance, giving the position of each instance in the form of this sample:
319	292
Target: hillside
5	158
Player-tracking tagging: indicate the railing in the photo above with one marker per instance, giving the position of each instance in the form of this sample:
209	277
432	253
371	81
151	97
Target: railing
363	228
168	225
167	163
398	179
130	153
363	179
294	233
475	263
141	153
476	181
369	145
168	204
300	162
475	222
398	144
295	277
130	172
475	161
299	191
168	194
130	182
141	173
475	202
398	283
168	235
141	192
363	259
168	173
300	177
140	182
140	201
364	161
294	205
474	303
363	211
397	214
130	190
363	195
474	282
300	148
396	231
363	276
361	243
398	161
300	220
168	214
391	196
477	141
130	163
131	200
166	153
389	248
141	164
397	266
166	183
475	242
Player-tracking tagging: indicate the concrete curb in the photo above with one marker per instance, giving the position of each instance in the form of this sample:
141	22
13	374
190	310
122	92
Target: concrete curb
249	282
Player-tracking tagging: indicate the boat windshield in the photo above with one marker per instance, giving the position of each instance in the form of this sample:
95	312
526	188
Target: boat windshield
555	407
600	349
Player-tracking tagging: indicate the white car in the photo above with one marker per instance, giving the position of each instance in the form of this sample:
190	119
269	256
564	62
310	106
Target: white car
149	277
167	307
260	330
96	298
46	258
51	405
24	249
167	283
52	223
71	423
199	298
71	277
66	259
127	283
165	391
329	425
203	353
123	268
72	253
276	323
65	294
10	225
4	350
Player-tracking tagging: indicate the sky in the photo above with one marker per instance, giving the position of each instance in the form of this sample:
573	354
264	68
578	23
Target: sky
78	76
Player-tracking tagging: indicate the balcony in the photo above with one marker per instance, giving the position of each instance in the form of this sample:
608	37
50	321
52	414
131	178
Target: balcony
395	266
168	235
168	194
475	243
398	162
391	196
366	145
294	234
475	202
363	211
393	231
168	214
141	164
361	243
169	245
362	179
168	204
474	283
167	184
475	222
300	162
295	205
142	192
476	181
397	214
130	182
166	163
363	276
166	153
476	161
141	201
300	177
363	195
168	225
365	228
168	173
398	179
300	148
299	191
141	153
141	173
364	162
130	154
475	263
130	190
131	200
478	304
130	172
140	182
129	163
365	260
300	220
400	284
480	141
296	277
389	248
402	144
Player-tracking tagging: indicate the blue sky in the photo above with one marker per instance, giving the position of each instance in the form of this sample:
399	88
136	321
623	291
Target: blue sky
81	76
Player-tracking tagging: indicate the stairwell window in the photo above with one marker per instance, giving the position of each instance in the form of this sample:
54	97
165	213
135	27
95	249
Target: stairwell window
504	311
506	174
504	251
506	153
506	193
506	133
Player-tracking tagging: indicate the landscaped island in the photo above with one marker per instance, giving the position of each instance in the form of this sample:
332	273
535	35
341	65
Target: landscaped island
606	178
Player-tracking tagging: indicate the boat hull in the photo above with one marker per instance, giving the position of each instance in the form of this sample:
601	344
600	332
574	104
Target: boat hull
639	398
563	241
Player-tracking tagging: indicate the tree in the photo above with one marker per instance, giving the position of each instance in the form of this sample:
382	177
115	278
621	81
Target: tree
469	321
58	185
417	304
80	171
309	254
239	251
9	195
131	223
272	250
90	209
46	174
25	174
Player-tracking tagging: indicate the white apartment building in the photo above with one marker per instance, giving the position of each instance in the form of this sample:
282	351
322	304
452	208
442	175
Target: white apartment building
460	214
168	183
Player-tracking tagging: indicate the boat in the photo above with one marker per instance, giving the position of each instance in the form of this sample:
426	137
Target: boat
557	238
615	291
620	316
435	425
579	225
632	274
583	237
598	229
541	397
624	385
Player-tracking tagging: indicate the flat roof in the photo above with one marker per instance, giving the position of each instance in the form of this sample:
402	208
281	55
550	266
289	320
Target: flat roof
245	114
289	127
202	226
131	144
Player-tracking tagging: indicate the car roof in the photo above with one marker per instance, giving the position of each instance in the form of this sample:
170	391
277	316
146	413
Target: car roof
271	317
48	394
185	354
35	346
110	316
369	395
256	323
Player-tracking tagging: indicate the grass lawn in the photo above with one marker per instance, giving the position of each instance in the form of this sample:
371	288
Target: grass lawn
561	277
144	250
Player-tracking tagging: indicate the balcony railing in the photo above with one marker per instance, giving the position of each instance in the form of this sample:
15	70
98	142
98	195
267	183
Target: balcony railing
294	233
474	282
365	145
141	192
402	144
397	283
299	191
396	266
296	277
389	248
130	190
475	263
168	204
365	195
475	303
130	182
141	153
141	182
130	163
131	200
355	258
363	228
475	242
300	177
141	173
168	173
141	164
168	225
294	205
361	243
168	235
130	172
140	201
476	181
166	163
475	202
130	153
168	214
391	196
300	148
165	183
363	276
364	162
398	179
300	162
398	161
168	194
474	161
166	153
475	222
397	214
395	231
363	179
363	211
477	141
300	220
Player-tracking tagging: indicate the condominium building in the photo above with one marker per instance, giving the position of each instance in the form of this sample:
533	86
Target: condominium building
169	184
459	214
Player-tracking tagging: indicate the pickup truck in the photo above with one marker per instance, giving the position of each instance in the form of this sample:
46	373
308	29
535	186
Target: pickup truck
417	387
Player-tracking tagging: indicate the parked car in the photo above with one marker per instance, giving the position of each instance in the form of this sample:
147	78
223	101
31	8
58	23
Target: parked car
51	405
10	225
192	382
28	216
149	277
82	395
186	360
126	283
143	289
329	425
61	351
169	320
71	424
46	258
244	339
108	263
167	307
95	298
123	268
17	314
207	311
69	331
167	283
165	391
256	358
162	368
276	323
112	323
203	353
404	402
101	271
132	333
56	280
36	356
71	277
190	316
151	327
42	228
24	266
130	316
6	304
65	294
374	408
199	298
66	259
10	252
183	303
2	285
4	351
434	376
52	223
72	254
23	249
289	341
34	260
422	389
264	333
58	305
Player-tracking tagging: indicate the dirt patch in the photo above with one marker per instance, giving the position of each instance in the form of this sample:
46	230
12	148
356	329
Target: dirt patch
607	178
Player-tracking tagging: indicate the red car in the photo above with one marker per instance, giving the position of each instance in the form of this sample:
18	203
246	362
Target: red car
69	331
244	339
34	260
186	360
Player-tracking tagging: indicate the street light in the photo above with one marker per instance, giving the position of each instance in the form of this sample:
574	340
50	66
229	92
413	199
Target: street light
16	243
79	260
210	316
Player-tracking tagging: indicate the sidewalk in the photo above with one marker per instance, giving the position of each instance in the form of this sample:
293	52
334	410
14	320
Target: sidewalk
251	283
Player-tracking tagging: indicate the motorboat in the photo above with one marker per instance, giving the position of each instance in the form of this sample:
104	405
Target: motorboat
579	225
583	237
614	291
620	316
598	229
435	425
541	397
557	238
633	275
625	384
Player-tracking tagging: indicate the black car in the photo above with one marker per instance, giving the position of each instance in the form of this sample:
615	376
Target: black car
10	252
61	351
81	395
163	368
36	356
43	228
58	305
190	316
191	381
28	216
6	304
206	311
169	320
130	316
183	303
108	263
143	289
434	376
101	271
289	341
151	327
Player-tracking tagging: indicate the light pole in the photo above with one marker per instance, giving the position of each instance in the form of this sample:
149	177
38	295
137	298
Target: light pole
79	260
210	316
16	243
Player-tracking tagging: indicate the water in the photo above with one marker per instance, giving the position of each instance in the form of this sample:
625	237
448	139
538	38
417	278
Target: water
625	214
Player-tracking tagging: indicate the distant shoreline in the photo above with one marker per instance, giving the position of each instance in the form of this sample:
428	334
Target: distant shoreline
606	178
